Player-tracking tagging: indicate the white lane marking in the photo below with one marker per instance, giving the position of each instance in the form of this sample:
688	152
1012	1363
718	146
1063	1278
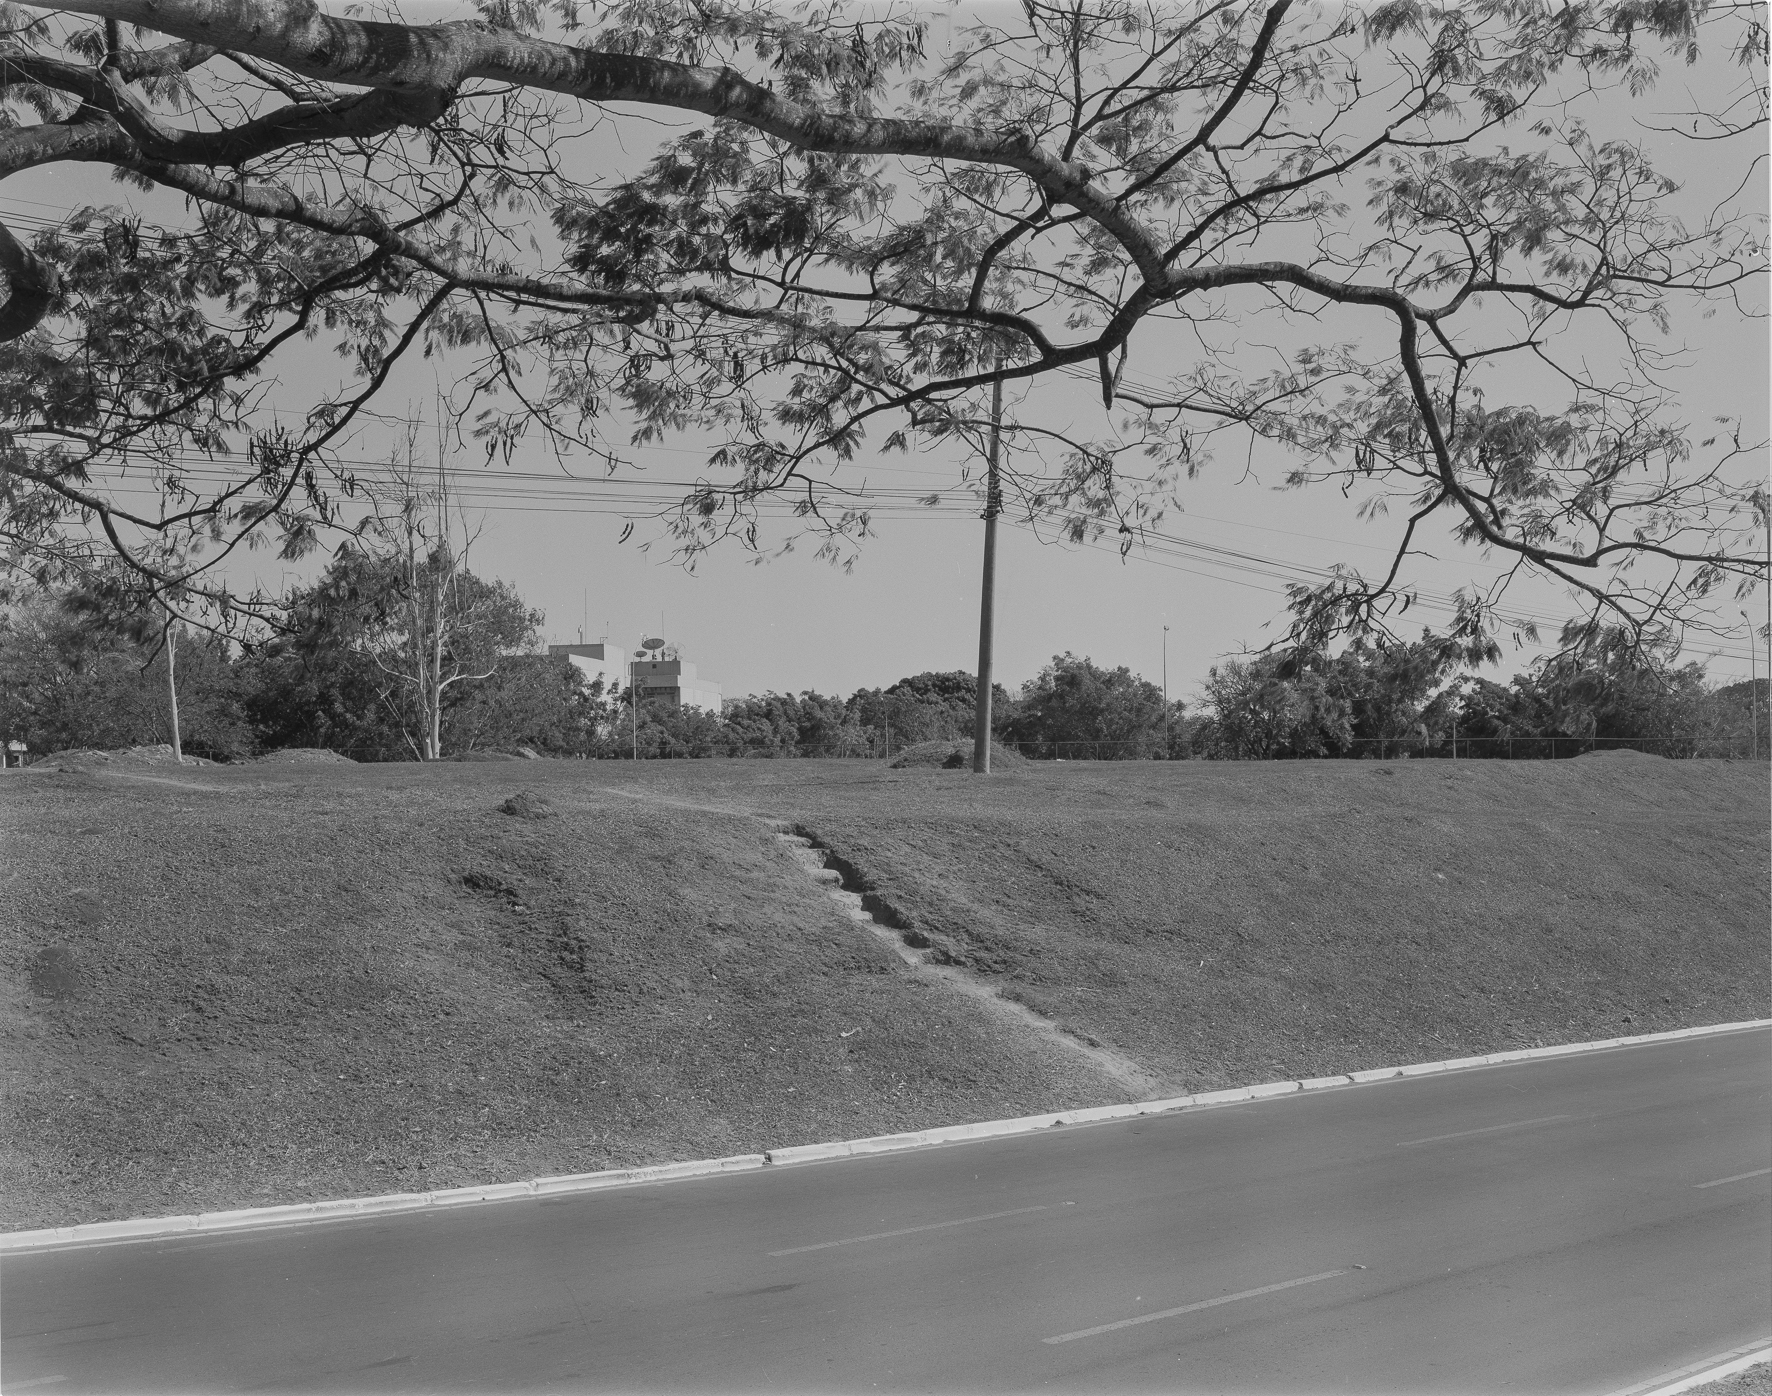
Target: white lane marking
907	1230
1487	1129
1203	1304
34	1381
1734	1178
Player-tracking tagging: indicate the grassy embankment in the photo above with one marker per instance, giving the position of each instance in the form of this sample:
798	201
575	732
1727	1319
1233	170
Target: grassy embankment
297	982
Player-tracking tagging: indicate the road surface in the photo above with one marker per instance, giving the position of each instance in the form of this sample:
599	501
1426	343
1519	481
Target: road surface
1575	1224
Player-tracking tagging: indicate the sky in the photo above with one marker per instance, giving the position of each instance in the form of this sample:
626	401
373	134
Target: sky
1212	587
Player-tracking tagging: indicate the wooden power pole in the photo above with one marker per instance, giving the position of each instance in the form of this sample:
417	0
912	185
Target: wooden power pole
993	505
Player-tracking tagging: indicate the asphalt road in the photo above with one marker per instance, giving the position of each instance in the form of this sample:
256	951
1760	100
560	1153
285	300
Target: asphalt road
1569	1225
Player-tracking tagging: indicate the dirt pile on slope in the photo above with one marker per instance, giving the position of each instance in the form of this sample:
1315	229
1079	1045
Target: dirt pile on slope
953	756
122	758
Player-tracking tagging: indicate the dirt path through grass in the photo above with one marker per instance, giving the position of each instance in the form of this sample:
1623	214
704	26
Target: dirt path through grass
884	923
1125	1075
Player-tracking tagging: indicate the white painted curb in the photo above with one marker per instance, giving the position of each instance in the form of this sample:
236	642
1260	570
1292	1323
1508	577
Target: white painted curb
1725	1364
246	1218
94	1233
992	1129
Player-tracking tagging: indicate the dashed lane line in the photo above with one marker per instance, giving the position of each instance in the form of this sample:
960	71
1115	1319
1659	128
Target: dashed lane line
1734	1178
1203	1304
908	1230
1486	1129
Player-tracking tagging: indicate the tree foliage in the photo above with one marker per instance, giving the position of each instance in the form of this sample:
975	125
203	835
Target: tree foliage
1374	700
69	679
1305	703
1075	708
411	628
1390	241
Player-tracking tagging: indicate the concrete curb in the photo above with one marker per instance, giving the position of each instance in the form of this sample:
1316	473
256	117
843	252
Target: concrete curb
1723	1364
253	1218
1026	1124
142	1228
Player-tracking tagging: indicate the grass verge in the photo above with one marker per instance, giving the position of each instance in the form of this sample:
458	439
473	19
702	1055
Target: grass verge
1228	923
231	987
304	983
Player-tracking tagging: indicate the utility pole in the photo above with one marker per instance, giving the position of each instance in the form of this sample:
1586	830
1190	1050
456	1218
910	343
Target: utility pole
993	505
1753	682
1165	693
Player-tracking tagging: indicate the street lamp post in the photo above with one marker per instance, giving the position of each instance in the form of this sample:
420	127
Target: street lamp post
1165	693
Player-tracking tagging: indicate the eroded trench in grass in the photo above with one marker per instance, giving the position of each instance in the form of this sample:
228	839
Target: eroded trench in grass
852	889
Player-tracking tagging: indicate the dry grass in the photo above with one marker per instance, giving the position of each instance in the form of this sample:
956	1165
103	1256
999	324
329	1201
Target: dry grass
310	981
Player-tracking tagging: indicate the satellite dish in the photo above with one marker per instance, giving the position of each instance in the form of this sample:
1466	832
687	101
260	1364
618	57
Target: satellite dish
639	654
653	644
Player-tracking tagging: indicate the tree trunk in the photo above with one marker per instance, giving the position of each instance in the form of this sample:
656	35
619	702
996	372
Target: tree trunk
434	734
178	754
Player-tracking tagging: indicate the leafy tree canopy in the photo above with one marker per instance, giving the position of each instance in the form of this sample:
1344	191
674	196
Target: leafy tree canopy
1388	240
70	679
1118	714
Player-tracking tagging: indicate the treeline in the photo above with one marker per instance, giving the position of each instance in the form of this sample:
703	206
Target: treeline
1072	703
1412	699
390	659
75	676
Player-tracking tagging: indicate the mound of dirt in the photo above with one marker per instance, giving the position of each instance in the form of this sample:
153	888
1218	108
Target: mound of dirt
305	756
86	758
1621	753
953	756
481	756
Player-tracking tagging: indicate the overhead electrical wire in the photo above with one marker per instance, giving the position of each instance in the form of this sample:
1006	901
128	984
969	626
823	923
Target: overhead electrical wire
1157	547
518	491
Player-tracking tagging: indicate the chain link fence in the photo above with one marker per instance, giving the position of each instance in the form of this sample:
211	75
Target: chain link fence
1554	748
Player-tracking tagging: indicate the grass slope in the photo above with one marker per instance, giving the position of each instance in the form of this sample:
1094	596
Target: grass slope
320	981
1226	923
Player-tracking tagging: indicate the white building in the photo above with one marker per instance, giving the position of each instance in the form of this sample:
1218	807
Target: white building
673	680
601	661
